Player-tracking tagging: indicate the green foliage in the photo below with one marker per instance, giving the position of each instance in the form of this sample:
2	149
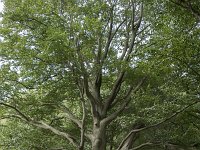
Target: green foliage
49	47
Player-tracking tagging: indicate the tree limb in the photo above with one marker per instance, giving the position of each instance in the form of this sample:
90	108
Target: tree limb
126	100
71	116
93	102
43	125
114	92
111	35
118	82
81	147
17	110
135	28
12	116
40	124
159	123
143	145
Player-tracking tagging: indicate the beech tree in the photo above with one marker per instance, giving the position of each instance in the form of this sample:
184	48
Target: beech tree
99	75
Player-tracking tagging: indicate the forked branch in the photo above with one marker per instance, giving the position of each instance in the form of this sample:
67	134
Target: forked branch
126	100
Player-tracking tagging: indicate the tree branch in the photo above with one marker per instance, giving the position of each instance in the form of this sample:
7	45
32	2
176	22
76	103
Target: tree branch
144	145
111	36
98	78
43	125
135	28
126	45
157	124
118	82
126	100
92	100
83	133
81	147
71	116
12	116
114	92
40	124
17	110
56	119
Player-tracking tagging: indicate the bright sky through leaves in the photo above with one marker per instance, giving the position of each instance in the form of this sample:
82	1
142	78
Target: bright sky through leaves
1	6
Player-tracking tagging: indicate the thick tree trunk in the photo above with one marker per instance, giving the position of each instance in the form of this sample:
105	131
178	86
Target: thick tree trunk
99	137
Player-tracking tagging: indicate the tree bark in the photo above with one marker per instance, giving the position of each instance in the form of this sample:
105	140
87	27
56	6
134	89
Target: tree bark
99	137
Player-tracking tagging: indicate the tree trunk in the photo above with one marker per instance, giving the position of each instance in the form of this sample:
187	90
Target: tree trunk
99	137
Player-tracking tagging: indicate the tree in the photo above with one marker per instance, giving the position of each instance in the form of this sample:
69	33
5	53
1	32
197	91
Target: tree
89	70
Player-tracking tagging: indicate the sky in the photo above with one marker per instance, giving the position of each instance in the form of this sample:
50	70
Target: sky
1	6
1	9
